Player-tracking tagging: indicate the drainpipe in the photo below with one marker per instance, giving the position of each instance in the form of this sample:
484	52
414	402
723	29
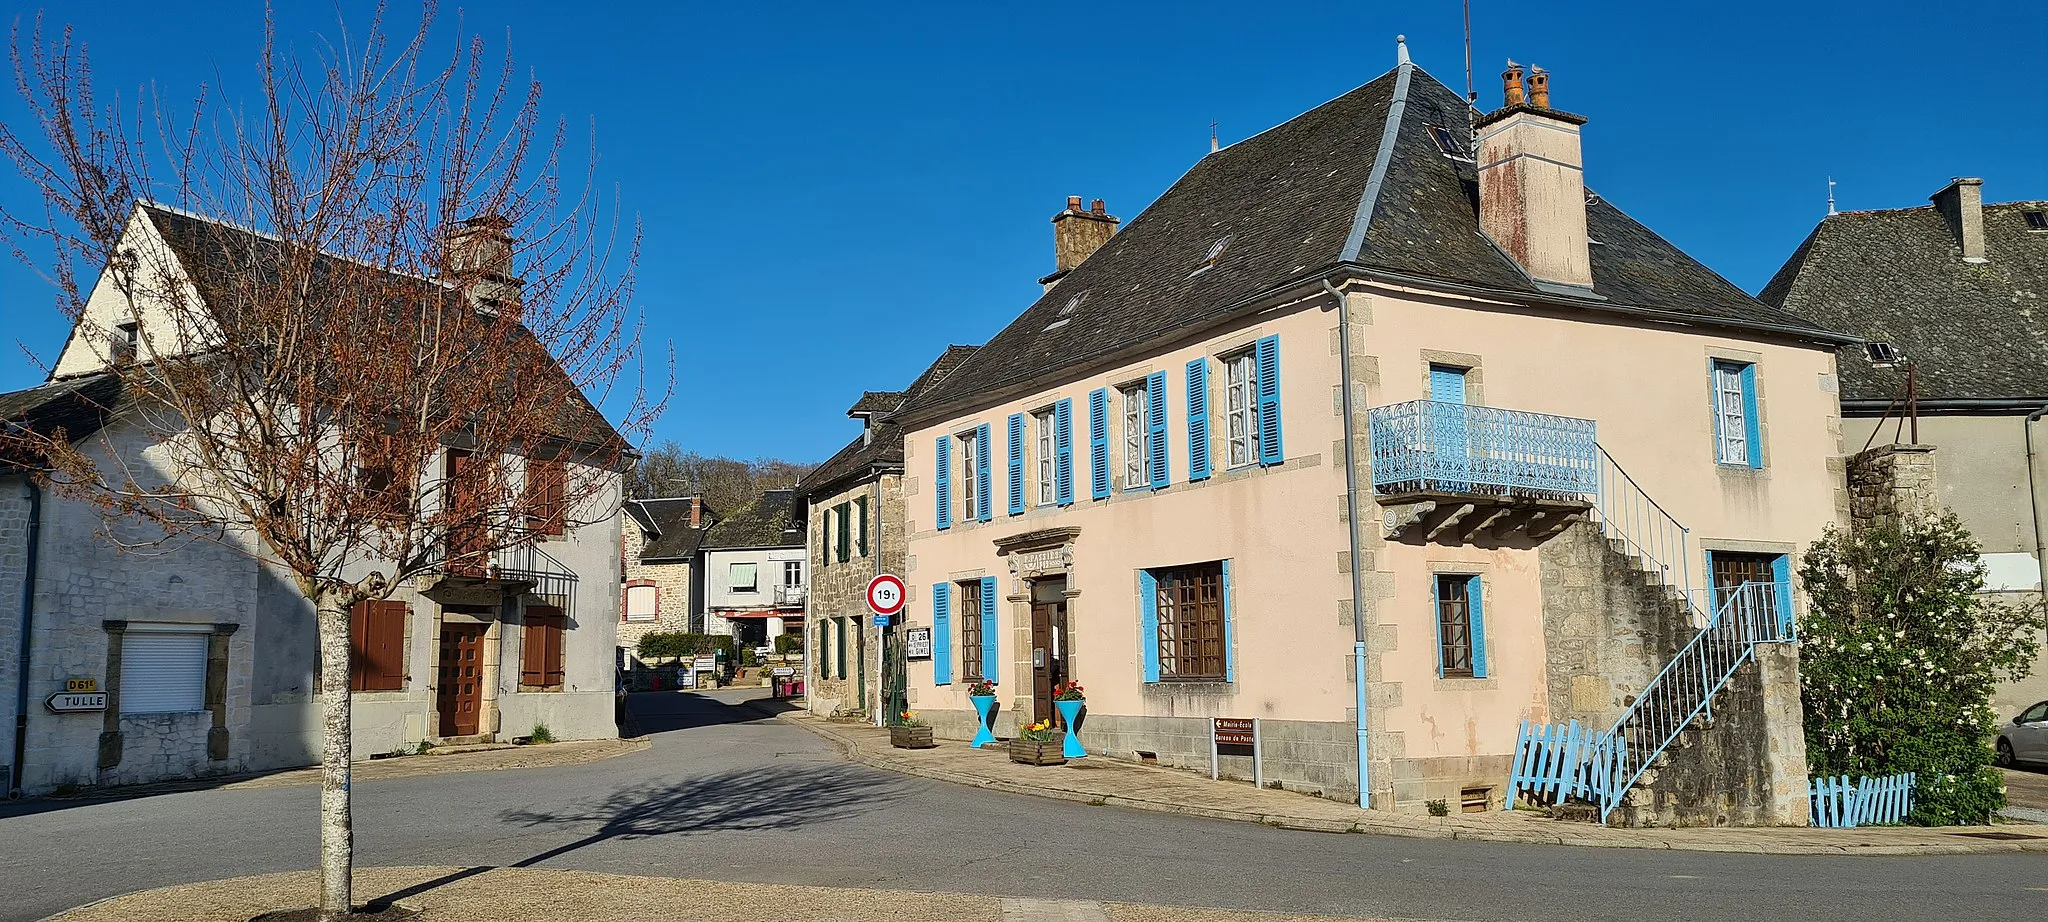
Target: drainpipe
1357	552
27	639
2034	499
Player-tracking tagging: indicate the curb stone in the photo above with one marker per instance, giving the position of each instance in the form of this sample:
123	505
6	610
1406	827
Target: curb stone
854	752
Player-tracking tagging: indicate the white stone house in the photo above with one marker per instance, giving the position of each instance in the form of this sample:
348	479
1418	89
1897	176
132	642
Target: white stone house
755	577
206	653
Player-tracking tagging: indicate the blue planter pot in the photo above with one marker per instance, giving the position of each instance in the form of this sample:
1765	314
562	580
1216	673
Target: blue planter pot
984	705
1070	713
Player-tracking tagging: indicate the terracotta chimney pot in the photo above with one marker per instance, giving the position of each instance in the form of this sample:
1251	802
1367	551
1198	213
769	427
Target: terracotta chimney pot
1539	87
1511	84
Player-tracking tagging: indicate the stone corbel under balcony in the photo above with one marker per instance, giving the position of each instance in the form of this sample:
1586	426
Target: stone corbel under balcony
1478	518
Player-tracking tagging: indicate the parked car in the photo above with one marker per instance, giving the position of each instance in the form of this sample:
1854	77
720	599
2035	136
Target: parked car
2026	738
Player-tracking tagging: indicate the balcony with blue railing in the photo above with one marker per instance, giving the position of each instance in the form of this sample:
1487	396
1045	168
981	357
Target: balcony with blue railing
1453	468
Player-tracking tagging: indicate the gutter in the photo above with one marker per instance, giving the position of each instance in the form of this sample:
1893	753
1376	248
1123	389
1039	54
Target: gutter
28	612
1357	552
2033	498
1959	406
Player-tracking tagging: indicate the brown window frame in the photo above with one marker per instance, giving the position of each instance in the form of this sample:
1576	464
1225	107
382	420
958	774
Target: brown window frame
540	647
376	641
1197	589
967	608
1454	625
1728	570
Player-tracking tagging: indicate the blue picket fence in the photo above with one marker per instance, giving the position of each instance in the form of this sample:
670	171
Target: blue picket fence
1559	762
1835	803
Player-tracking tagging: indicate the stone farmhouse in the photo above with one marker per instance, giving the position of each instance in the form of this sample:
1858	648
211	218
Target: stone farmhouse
663	581
1952	291
1385	430
206	653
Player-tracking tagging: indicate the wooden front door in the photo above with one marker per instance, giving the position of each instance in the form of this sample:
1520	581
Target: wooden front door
459	695
1049	653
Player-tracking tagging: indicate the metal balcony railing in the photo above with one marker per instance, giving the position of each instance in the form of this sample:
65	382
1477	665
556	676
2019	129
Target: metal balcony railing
1424	446
520	560
790	595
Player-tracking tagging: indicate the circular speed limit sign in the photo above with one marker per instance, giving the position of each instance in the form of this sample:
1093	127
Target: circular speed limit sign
885	594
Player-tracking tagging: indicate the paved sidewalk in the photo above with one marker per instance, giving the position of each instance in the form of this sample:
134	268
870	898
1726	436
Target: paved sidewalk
526	894
1113	782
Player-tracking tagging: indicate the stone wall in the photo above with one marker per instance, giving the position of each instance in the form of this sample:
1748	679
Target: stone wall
839	591
671	585
1892	481
14	515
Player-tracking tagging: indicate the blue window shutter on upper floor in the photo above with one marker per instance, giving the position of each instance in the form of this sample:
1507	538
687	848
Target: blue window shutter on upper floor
1155	426
1016	464
1063	452
1229	631
1476	603
1198	419
942	480
1752	426
1267	354
1447	384
942	634
1781	589
984	510
1148	623
1098	443
989	666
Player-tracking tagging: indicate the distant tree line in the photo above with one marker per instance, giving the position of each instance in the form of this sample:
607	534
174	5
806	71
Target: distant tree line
725	483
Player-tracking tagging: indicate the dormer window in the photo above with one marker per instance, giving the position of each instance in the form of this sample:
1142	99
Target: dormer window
127	338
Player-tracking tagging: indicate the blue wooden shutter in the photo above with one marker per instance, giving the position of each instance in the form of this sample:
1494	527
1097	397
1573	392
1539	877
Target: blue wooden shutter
1781	590
1016	464
1098	443
1436	617
942	480
1751	425
1268	356
1155	424
989	667
942	634
1063	452
1476	605
1148	623
1198	419
1447	384
1229	648
984	510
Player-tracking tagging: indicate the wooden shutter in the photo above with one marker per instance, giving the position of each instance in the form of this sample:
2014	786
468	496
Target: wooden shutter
1752	426
546	486
988	627
1475	615
1016	463
984	510
1098	443
1267	352
942	480
541	647
1155	429
1229	649
842	537
860	514
1148	622
1063	452
377	645
942	634
1198	419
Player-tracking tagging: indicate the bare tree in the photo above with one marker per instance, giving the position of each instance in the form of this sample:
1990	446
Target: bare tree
321	332
725	483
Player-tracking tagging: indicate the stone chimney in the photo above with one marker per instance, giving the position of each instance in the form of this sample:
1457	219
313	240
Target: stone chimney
1532	189
1077	234
480	262
1961	204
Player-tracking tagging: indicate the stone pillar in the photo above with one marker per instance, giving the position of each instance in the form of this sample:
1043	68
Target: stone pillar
1785	781
1891	482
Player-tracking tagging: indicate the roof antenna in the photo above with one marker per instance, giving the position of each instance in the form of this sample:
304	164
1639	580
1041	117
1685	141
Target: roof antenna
1213	146
1471	95
1831	196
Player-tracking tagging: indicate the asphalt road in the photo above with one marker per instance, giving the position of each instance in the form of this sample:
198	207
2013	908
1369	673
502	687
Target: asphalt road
723	794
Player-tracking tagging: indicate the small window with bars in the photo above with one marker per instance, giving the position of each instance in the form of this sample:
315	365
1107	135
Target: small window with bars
1191	628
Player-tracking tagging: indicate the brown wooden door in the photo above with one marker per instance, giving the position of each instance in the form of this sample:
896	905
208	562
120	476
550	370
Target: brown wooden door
459	695
1049	652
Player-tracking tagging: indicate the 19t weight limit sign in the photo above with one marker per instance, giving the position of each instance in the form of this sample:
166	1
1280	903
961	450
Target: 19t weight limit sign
885	595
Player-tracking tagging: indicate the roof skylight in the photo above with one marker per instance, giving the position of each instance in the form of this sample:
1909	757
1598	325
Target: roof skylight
2037	220
1448	143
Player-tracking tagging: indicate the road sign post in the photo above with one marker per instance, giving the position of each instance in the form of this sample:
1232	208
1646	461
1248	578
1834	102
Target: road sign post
885	599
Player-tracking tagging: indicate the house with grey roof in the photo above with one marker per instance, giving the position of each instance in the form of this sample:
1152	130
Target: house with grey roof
754	575
1386	438
662	579
1954	294
854	531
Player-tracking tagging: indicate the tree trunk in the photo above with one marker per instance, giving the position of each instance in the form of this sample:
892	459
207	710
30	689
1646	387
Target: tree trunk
337	833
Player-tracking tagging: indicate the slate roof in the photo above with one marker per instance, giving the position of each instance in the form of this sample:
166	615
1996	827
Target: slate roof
1976	331
771	520
884	449
667	521
79	406
212	252
1292	202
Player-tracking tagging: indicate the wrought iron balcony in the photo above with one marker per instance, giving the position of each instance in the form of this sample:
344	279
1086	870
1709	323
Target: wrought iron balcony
1449	470
519	561
789	595
1423	446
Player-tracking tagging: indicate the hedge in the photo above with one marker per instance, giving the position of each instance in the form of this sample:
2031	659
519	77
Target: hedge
679	644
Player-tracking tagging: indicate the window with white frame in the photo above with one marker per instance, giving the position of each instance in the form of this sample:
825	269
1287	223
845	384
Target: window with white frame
970	485
1136	469
163	669
1047	489
1242	421
1731	413
745	577
792	573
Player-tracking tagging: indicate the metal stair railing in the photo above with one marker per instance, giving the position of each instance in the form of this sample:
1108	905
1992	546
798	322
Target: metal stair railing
1647	532
1603	767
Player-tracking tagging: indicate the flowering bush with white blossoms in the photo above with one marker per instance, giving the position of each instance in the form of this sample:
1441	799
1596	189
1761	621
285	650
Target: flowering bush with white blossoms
1899	655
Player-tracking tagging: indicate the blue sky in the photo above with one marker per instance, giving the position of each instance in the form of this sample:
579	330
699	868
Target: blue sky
833	192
